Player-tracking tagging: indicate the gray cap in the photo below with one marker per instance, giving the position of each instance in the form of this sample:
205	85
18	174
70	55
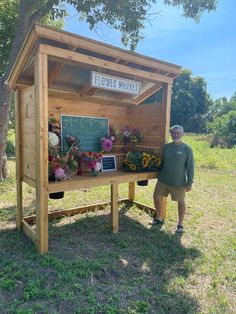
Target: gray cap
177	127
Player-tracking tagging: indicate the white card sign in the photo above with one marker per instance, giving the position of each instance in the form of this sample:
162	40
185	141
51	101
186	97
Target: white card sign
115	83
109	163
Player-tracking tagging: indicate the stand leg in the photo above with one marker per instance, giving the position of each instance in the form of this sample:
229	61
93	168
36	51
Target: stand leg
114	208
42	220
131	191
19	214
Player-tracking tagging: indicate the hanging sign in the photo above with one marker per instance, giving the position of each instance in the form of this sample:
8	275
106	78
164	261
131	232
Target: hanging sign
114	83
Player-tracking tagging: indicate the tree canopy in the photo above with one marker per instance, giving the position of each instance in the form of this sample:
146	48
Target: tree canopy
18	16
190	102
126	16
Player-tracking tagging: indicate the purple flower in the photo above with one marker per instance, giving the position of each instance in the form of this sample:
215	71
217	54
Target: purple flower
107	145
59	173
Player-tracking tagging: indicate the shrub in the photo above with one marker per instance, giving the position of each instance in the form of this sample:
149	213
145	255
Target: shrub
10	150
223	129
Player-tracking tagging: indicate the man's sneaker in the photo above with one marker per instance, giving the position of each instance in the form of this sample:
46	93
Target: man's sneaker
157	222
180	228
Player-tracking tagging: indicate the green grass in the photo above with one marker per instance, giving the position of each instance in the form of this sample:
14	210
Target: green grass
211	158
138	270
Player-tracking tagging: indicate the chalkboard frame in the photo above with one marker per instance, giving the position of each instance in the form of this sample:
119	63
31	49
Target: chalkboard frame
113	168
77	116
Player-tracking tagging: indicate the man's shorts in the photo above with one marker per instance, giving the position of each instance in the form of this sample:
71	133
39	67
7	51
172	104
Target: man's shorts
162	189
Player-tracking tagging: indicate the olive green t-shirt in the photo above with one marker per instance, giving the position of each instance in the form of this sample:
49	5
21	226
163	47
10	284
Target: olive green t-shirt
177	167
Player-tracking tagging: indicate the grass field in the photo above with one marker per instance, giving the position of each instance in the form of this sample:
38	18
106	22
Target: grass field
139	270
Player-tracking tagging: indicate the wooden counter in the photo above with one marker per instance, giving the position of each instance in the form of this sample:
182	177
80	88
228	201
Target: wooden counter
103	178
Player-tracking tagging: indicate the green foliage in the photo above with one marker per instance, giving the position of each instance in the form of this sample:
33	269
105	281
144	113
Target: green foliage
220	107
222	122
224	129
8	23
127	16
193	9
211	158
190	102
9	15
141	161
10	150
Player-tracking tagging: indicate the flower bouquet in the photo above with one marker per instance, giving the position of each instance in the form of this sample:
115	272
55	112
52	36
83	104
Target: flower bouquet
136	136
93	160
141	161
60	166
126	135
130	136
108	142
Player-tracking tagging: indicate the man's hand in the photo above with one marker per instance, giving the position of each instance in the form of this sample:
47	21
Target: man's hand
188	188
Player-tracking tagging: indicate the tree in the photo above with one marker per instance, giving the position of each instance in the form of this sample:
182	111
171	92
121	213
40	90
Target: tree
190	102
220	107
127	16
222	122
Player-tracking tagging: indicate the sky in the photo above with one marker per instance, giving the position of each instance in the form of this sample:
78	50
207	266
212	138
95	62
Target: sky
207	48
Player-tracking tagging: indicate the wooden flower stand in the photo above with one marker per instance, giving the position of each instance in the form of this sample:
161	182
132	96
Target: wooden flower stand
52	77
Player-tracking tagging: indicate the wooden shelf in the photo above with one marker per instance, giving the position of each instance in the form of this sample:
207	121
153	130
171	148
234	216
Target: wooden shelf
103	178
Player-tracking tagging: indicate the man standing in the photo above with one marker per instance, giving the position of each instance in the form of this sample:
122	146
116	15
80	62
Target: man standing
176	176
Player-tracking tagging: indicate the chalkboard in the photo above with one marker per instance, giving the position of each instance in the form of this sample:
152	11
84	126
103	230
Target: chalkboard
108	163
87	130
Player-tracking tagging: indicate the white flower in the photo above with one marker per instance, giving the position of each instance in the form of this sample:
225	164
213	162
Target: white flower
97	166
53	139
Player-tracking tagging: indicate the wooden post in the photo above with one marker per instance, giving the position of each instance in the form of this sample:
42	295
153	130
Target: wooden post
41	148
114	208
131	191
166	105
18	145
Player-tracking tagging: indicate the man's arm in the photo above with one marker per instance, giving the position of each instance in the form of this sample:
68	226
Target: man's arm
190	170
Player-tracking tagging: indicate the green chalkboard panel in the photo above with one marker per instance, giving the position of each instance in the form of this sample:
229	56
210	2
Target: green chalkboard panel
88	130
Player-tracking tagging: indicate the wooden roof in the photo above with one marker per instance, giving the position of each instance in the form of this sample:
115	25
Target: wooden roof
72	57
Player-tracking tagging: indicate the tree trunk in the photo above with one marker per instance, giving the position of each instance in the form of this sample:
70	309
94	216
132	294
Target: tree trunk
24	25
5	96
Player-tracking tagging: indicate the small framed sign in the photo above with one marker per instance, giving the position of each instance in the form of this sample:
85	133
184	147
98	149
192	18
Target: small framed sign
109	163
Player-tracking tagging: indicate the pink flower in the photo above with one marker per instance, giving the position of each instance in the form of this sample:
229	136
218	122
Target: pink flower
59	173
91	164
107	145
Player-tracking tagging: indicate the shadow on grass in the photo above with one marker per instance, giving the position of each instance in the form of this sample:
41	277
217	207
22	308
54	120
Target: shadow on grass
8	213
90	270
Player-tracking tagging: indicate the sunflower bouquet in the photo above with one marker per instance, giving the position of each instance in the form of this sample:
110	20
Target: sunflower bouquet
141	161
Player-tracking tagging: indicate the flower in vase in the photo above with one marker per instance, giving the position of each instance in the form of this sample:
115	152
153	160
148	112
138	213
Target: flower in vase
107	144
53	139
97	166
91	164
59	174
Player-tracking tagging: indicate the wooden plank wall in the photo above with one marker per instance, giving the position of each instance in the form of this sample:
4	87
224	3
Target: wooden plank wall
118	115
27	113
149	119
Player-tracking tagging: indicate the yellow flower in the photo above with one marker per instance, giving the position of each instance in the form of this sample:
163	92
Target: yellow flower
146	155
130	164
158	161
145	162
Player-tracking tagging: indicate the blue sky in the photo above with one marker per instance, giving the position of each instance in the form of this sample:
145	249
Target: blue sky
208	48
